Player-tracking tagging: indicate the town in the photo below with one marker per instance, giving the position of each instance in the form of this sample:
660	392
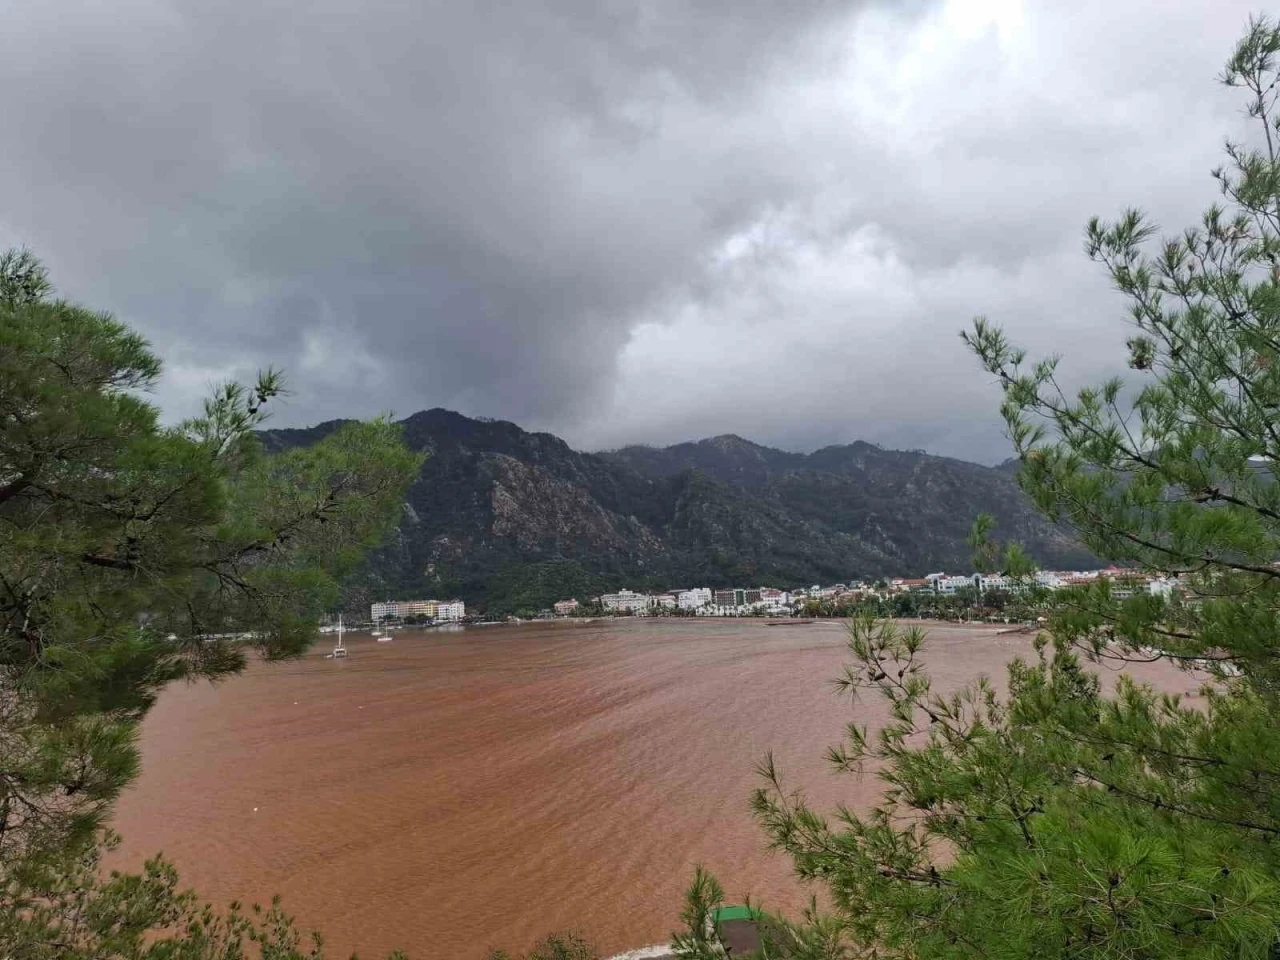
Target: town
980	589
996	595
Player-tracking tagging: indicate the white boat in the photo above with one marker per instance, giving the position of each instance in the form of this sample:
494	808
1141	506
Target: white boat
340	651
383	639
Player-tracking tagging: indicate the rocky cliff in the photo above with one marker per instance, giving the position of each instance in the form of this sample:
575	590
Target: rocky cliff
513	520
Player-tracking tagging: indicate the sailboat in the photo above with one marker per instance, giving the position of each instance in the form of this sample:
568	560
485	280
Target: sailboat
340	651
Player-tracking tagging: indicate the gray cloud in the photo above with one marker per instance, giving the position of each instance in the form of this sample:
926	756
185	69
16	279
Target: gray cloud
618	221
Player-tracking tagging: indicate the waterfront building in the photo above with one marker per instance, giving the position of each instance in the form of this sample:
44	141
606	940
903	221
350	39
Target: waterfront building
908	584
451	610
564	608
949	585
694	599
772	600
625	600
400	609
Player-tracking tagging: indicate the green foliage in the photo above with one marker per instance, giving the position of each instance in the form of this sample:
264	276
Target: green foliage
530	587
699	938
1026	604
557	946
818	937
1061	820
74	913
991	556
1056	823
134	554
23	278
1183	480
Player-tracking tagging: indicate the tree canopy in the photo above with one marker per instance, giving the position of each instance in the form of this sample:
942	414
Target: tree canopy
134	554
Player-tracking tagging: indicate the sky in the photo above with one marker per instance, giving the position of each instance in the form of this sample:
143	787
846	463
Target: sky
620	221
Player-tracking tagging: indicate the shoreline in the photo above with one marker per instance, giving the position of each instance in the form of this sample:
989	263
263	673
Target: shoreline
776	621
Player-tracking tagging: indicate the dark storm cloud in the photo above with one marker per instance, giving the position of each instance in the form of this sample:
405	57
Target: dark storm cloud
453	193
616	220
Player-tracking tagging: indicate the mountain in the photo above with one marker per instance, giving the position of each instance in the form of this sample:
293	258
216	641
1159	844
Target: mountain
511	520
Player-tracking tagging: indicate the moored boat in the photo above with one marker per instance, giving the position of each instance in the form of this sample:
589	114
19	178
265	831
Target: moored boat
340	651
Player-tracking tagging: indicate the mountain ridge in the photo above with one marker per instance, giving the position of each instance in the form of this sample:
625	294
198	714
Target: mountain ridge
513	520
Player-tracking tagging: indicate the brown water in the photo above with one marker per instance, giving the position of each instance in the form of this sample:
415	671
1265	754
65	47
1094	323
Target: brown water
452	791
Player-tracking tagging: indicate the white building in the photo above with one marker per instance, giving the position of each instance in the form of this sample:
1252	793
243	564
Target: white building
451	610
949	585
980	583
1050	579
694	599
993	581
380	611
773	600
624	599
399	609
665	601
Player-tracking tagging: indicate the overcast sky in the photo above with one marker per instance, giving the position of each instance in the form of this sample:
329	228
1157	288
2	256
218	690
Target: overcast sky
617	220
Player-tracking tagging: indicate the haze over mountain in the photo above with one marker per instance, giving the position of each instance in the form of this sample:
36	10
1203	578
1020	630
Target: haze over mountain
512	520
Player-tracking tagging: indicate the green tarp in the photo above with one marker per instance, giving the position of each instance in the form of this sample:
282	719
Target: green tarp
736	913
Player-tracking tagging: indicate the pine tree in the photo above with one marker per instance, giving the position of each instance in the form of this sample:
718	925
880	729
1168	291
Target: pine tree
1056	820
133	555
557	946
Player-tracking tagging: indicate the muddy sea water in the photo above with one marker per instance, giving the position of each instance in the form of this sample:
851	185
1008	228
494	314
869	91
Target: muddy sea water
455	790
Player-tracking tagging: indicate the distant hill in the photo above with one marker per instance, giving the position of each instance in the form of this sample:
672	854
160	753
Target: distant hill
512	520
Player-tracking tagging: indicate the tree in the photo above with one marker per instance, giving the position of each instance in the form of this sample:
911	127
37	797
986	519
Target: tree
1057	820
557	946
816	937
132	555
73	913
